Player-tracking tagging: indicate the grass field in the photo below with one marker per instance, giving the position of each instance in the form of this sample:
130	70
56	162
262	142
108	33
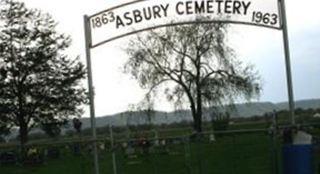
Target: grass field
248	152
230	154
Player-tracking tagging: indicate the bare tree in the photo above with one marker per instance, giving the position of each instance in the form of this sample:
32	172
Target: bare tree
194	65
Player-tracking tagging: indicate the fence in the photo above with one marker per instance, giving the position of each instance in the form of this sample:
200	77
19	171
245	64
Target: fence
252	151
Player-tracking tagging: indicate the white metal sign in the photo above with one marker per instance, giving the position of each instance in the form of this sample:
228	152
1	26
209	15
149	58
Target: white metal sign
141	15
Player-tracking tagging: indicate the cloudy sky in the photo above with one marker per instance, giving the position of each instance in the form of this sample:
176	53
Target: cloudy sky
259	46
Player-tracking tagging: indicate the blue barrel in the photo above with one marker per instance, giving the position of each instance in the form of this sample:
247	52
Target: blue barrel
297	159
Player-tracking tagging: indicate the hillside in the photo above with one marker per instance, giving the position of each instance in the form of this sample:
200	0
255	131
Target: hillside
303	104
242	110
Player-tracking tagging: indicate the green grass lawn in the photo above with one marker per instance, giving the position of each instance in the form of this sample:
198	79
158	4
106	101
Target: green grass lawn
229	154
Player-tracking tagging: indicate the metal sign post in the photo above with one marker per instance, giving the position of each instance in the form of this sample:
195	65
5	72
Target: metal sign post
121	21
114	161
287	59
87	30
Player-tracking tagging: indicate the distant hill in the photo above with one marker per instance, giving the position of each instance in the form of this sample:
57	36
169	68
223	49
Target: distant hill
242	110
138	118
303	104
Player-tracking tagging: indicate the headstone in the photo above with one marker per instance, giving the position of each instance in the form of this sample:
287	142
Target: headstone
212	138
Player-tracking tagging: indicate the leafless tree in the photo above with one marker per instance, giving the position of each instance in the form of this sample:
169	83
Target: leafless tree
194	65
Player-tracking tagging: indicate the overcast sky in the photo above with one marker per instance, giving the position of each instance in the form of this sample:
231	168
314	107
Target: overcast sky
259	46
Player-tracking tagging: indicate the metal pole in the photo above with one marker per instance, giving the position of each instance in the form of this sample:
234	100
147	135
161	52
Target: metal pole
155	159
274	132
114	163
287	59
88	43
